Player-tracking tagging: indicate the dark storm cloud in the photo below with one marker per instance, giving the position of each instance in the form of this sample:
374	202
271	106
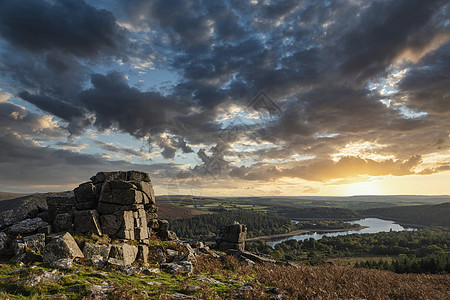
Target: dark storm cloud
70	26
427	86
383	32
63	110
30	167
117	105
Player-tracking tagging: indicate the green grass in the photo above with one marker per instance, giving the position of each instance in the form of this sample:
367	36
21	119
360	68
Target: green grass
77	283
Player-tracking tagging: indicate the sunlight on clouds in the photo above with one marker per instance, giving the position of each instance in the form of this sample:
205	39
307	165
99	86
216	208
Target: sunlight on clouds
415	55
47	122
365	150
4	96
434	159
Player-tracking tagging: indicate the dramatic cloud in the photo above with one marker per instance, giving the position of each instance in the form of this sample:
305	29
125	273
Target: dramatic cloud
69	26
234	90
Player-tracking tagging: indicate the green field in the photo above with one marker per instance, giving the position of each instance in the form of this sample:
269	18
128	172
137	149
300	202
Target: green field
210	204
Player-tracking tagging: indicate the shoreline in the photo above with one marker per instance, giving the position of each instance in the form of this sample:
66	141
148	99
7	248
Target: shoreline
301	231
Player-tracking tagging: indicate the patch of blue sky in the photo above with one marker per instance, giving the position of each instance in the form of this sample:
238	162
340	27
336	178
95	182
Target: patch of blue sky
387	86
93	140
232	78
154	80
326	135
29	107
409	113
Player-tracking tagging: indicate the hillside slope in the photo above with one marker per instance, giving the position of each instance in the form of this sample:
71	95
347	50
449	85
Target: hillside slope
7	196
418	214
217	278
26	203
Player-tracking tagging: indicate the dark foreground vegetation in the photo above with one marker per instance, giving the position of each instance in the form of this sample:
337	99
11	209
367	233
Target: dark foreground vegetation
423	250
206	227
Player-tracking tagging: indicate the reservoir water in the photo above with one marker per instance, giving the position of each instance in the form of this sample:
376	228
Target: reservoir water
373	225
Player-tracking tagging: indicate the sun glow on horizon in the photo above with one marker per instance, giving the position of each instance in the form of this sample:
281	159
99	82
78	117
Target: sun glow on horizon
365	188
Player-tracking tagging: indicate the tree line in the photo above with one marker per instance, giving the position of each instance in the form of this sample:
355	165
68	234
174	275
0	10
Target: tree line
206	227
438	262
418	248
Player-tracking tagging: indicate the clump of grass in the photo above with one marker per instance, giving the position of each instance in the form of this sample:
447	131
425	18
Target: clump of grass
228	267
91	238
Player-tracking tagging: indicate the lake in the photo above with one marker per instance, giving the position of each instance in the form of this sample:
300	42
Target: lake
373	225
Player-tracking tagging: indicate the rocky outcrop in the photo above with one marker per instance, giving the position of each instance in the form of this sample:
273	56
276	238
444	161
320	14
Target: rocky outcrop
119	204
232	237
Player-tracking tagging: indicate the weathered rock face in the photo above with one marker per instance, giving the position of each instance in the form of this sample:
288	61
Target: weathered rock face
63	222
63	246
59	205
91	250
3	242
86	221
10	217
232	237
101	177
35	242
122	254
87	195
26	226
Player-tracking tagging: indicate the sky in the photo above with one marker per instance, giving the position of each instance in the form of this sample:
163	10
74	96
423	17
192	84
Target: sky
227	98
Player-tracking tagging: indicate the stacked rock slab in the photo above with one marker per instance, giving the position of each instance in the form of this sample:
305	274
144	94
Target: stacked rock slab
120	204
123	203
232	237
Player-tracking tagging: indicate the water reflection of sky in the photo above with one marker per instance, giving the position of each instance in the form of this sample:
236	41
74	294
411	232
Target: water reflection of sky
373	225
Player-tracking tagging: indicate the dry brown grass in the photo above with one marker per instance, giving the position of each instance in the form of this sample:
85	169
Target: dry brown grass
323	282
331	282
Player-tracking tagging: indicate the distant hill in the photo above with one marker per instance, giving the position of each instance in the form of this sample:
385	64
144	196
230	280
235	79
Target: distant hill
28	202
417	214
8	196
305	213
413	199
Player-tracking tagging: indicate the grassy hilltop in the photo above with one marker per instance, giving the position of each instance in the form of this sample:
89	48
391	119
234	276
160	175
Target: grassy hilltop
222	278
